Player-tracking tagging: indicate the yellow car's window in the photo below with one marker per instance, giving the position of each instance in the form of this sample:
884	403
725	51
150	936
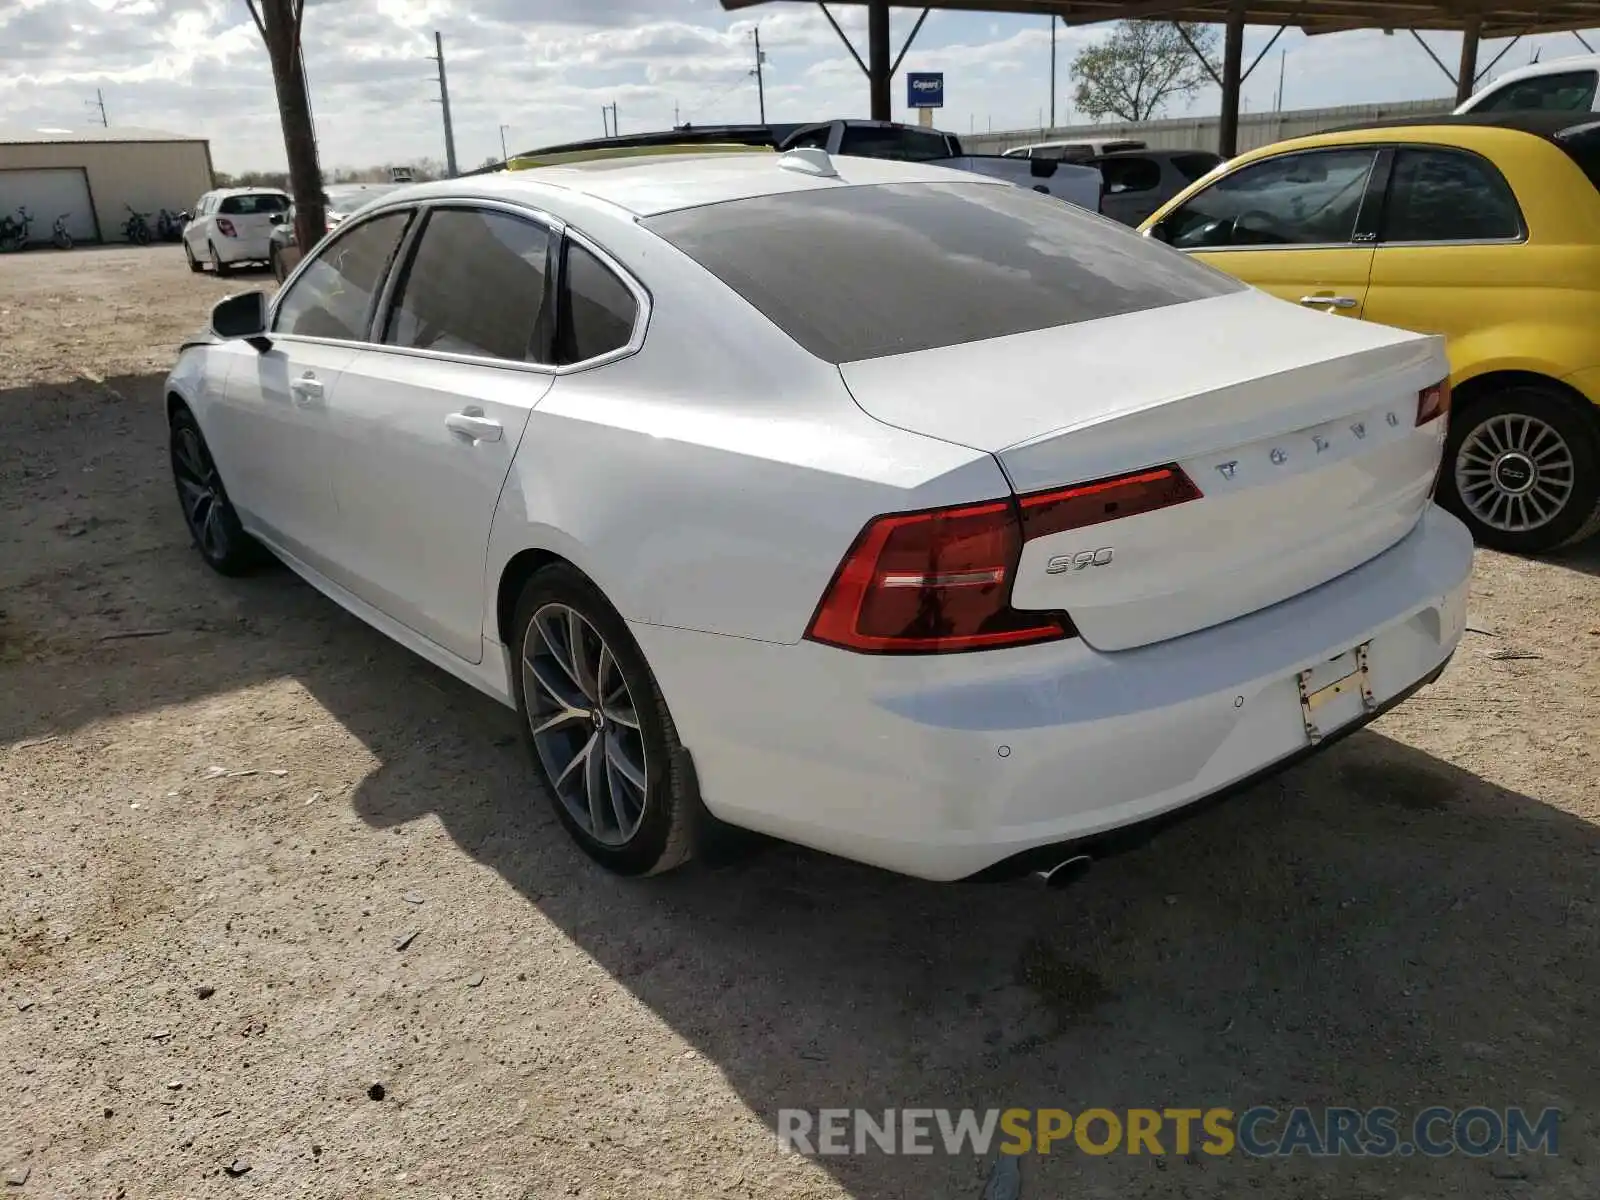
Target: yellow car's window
1311	198
1438	195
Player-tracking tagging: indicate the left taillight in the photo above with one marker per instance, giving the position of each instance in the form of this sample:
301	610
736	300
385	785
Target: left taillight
225	227
1433	402
939	581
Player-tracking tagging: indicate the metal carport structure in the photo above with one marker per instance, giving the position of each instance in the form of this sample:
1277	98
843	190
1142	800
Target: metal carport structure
1472	19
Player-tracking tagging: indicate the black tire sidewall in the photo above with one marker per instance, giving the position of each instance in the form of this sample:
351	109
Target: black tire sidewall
217	265
1567	417
563	584
240	549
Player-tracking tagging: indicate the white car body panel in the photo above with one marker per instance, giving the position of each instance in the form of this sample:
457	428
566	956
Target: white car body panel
711	478
1556	66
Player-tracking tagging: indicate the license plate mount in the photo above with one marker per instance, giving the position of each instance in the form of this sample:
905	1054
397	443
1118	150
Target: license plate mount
1339	676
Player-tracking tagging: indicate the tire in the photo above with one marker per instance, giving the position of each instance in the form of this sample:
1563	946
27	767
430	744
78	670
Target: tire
221	269
1522	469
666	811
195	264
62	240
207	512
139	235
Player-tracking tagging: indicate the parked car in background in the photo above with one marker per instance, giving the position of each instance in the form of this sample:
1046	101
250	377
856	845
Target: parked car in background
1484	227
1137	182
343	199
231	226
1569	85
840	499
1074	151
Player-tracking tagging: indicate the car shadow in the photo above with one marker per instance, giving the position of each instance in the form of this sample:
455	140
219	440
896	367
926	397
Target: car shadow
1375	926
1584	557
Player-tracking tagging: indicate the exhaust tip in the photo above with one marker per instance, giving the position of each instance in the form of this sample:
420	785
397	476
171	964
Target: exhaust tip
1066	872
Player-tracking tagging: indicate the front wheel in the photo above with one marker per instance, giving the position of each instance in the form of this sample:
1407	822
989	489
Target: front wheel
1522	469
12	240
603	743
62	239
139	235
207	511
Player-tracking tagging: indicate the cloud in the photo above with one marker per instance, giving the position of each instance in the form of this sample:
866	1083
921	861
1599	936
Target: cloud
198	66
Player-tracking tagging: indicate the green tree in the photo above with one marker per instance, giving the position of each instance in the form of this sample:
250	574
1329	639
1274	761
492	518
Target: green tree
1141	66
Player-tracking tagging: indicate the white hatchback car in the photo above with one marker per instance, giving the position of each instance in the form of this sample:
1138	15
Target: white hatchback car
891	510
232	226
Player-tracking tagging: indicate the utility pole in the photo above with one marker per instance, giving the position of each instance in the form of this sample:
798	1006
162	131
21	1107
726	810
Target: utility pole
99	102
278	22
761	86
609	125
1278	104
1052	71
503	155
444	100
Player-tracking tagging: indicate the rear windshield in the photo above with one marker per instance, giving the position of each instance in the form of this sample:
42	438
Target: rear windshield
862	272
256	202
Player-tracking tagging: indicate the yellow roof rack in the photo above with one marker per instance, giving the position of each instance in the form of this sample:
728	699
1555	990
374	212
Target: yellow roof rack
527	162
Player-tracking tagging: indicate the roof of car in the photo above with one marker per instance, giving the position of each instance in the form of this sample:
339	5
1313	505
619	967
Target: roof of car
1552	66
1543	123
648	185
248	191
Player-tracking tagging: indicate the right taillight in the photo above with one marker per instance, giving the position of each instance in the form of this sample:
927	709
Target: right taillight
939	581
1433	402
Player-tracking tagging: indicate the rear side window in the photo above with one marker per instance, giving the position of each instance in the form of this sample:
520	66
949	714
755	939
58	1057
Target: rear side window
1438	195
333	296
598	311
1570	91
260	202
476	285
1124	175
1193	166
861	272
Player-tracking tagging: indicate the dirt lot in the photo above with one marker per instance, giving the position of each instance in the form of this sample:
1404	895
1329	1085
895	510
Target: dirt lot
224	803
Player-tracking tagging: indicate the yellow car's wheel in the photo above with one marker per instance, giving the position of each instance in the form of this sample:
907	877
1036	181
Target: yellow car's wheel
1522	469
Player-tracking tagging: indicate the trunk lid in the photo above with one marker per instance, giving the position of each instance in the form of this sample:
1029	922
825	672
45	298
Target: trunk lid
1298	428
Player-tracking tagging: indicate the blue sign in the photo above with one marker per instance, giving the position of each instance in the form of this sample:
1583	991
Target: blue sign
925	89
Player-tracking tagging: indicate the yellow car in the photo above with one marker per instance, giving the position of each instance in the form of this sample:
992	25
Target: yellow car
1482	227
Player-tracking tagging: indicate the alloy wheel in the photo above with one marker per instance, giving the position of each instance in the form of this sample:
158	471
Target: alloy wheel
200	490
585	725
1514	472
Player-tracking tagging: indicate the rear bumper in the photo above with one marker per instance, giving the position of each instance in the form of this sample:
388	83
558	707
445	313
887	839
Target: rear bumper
944	767
243	249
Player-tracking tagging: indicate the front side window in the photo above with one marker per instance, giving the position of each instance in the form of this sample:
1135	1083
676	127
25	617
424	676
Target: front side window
1438	195
862	272
476	285
1570	91
1123	175
1307	199
333	296
598	311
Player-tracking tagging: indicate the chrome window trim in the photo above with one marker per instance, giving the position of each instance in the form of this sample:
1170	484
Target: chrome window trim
558	229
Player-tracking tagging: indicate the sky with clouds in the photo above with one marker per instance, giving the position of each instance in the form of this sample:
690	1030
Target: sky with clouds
546	67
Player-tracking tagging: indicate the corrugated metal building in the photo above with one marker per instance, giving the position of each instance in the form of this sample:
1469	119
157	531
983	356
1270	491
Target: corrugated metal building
95	176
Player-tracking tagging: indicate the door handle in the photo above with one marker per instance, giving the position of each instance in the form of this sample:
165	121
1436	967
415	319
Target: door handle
307	389
475	425
1331	301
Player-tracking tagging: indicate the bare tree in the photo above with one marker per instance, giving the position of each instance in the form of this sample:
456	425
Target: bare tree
1141	66
278	22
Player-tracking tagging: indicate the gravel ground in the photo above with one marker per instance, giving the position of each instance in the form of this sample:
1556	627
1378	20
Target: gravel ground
255	859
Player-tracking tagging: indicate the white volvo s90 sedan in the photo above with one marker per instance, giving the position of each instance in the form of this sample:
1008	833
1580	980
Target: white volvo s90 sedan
877	507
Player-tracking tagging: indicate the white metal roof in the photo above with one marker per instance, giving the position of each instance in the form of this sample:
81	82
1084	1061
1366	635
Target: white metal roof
647	185
17	135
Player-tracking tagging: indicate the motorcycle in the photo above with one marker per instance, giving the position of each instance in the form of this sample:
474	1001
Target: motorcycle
137	227
14	231
169	225
59	234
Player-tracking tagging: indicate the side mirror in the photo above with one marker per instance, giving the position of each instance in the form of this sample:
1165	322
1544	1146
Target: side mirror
243	316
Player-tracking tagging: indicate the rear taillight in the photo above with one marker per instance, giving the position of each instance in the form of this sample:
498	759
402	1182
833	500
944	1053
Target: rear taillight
939	581
1433	402
225	227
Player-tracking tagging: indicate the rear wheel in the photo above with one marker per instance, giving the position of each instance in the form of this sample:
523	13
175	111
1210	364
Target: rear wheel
602	740
195	264
1522	469
207	511
217	265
